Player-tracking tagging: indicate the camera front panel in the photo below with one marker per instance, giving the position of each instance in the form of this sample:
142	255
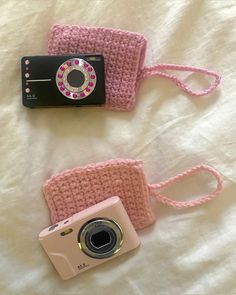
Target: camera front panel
70	80
89	238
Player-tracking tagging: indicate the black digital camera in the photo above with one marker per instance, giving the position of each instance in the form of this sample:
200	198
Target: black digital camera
67	80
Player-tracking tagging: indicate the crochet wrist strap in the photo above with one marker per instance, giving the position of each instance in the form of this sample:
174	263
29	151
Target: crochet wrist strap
159	70
186	204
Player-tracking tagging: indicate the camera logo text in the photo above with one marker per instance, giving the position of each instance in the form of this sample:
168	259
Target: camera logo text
82	266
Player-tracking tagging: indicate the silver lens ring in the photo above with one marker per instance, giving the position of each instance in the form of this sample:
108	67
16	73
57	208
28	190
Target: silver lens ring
100	238
89	75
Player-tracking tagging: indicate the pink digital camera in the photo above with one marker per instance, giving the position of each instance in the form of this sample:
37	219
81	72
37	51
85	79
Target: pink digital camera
89	238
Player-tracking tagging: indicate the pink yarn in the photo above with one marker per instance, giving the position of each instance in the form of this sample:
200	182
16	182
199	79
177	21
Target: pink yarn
124	54
74	190
77	189
186	204
157	70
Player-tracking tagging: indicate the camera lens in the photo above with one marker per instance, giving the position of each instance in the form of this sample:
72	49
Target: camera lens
100	238
75	78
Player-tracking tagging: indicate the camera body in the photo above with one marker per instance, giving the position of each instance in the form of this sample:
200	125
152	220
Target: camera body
89	238
66	80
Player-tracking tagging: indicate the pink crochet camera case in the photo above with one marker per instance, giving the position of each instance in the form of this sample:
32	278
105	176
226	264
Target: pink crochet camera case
124	54
74	190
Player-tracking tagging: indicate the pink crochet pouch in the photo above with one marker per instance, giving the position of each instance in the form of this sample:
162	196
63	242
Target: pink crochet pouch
124	54
74	190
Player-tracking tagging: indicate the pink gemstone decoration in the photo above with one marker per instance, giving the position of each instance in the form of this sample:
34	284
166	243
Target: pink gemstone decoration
87	89
62	68
60	83
27	75
62	88
90	84
81	94
92	76
27	68
90	69
27	90
27	62
76	62
59	76
26	83
67	93
68	63
74	95
85	65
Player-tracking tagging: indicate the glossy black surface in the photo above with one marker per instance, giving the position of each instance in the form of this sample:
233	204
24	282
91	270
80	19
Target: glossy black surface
46	93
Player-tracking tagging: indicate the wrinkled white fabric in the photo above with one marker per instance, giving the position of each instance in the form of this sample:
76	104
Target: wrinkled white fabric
188	252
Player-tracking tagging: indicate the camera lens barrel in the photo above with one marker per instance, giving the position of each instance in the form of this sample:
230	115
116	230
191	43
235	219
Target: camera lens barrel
100	238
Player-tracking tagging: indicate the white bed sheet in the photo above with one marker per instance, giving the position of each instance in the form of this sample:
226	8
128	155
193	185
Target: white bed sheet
188	252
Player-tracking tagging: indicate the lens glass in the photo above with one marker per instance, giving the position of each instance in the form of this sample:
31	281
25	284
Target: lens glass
100	238
75	78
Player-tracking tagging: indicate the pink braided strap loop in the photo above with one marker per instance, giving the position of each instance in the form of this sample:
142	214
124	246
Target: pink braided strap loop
158	69
191	203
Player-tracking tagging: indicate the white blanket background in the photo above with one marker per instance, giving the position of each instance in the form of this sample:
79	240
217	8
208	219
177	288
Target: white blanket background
190	252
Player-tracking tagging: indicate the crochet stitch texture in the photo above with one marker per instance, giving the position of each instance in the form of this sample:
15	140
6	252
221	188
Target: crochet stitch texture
74	190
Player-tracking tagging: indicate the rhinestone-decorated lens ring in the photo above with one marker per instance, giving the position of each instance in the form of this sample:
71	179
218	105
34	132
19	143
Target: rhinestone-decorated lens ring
76	78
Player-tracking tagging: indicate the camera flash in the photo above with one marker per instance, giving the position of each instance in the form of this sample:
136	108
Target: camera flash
94	58
67	231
